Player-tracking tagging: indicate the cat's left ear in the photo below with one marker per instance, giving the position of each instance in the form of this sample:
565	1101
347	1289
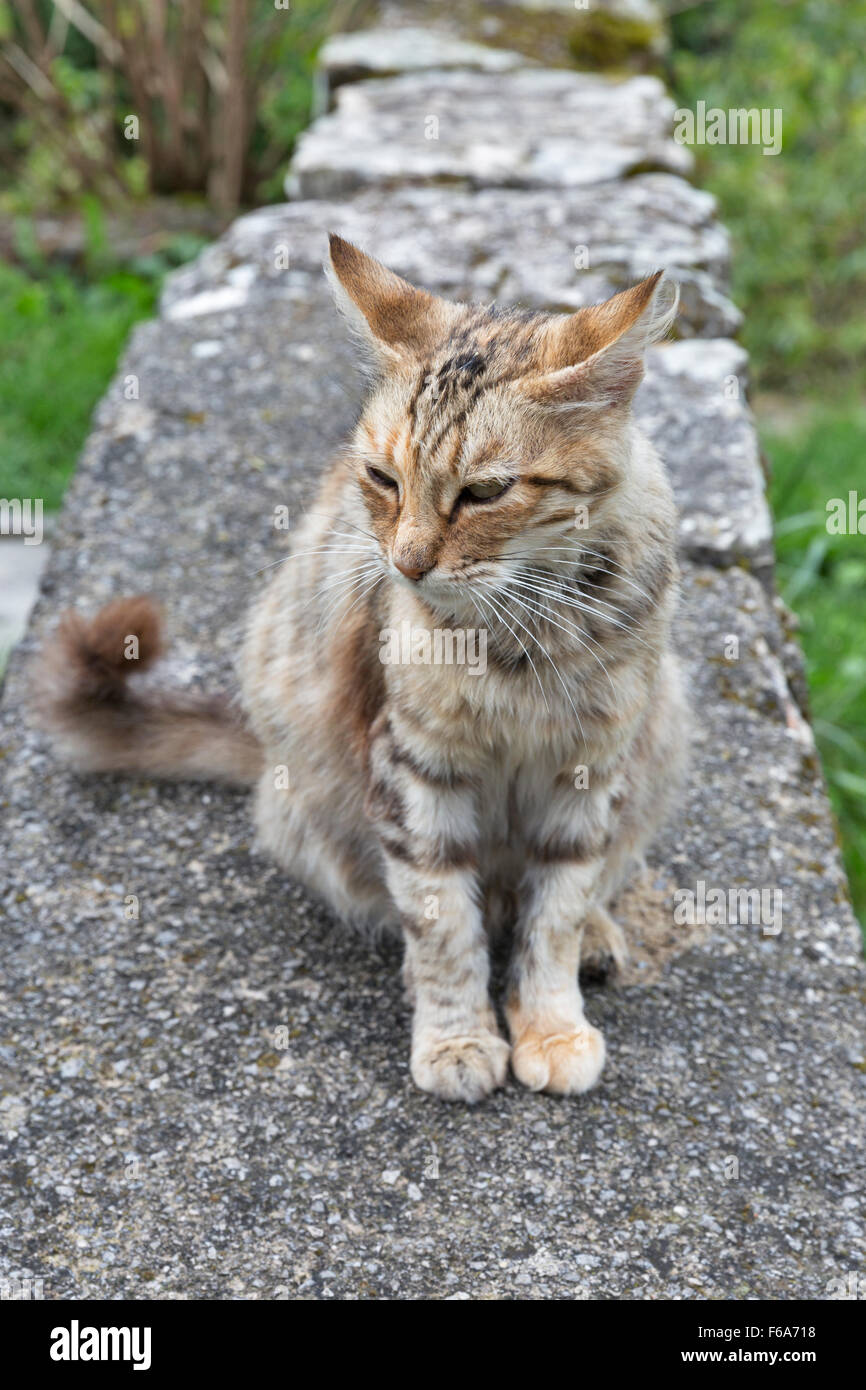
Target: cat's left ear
595	357
397	319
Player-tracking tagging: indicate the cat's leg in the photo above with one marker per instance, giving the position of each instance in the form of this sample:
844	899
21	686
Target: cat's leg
652	779
604	947
427	826
554	1048
336	859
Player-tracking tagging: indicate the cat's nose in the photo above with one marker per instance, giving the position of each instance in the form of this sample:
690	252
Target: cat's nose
411	567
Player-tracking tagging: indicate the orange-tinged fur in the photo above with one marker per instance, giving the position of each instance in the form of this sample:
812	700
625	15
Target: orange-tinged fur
495	483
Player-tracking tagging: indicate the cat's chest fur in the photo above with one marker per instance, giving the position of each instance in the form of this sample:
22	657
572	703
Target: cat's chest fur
511	721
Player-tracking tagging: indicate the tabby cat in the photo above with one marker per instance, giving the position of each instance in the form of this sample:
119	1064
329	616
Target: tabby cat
495	490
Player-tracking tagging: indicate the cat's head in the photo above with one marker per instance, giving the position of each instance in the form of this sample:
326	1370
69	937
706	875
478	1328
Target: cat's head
490	436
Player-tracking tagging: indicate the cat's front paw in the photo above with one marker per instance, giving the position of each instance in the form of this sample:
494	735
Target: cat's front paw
565	1063
466	1067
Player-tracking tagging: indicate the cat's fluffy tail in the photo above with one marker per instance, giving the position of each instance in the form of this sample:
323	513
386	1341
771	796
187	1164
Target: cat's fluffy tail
85	695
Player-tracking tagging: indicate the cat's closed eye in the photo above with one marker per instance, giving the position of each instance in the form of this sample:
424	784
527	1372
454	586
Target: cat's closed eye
382	479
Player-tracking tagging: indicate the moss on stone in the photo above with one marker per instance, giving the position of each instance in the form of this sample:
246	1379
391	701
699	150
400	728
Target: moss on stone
598	40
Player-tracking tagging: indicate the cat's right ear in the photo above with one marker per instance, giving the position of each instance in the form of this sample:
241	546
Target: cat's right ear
594	358
399	321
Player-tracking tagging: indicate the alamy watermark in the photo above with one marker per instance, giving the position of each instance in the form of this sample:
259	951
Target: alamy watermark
739	126
441	646
77	1343
22	516
15	1288
847	1286
736	907
846	516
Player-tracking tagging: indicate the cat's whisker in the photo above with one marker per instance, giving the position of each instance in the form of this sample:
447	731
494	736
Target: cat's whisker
557	585
570	628
348	535
520	644
339	593
556	670
300	554
569	602
565	590
596	569
334	583
545	616
623	580
344	521
336	579
364	593
333	607
616	573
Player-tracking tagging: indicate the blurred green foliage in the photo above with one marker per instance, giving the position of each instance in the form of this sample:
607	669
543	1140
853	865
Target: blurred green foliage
823	578
797	223
287	95
60	337
796	219
61	331
74	145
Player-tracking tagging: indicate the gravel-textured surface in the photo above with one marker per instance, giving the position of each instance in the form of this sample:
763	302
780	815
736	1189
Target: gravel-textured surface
204	1089
549	249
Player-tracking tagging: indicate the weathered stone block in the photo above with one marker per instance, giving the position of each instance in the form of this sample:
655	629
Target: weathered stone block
386	52
600	33
529	128
692	405
545	249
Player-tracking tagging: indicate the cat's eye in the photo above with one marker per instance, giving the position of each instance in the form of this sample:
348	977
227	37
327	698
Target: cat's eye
382	479
485	492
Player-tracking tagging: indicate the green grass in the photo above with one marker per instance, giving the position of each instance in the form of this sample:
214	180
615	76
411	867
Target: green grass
59	343
799	273
60	338
61	334
796	219
823	578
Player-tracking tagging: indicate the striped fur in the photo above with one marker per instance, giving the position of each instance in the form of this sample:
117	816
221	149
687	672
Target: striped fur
434	799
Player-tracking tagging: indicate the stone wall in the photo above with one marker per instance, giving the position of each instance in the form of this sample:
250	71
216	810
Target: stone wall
163	1137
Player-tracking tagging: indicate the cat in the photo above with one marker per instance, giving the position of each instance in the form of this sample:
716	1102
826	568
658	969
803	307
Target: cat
496	488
